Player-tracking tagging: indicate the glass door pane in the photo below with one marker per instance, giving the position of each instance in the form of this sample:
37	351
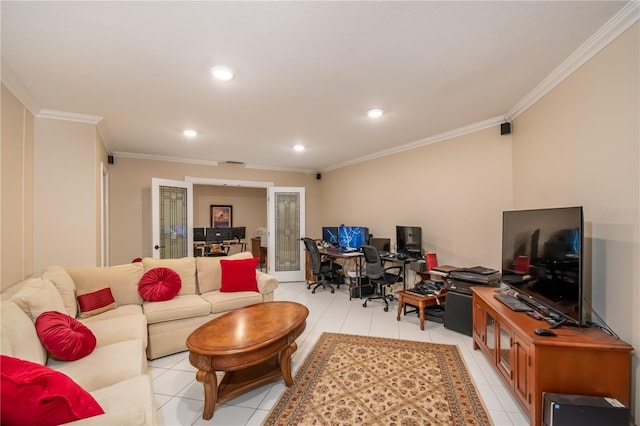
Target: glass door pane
286	226
173	222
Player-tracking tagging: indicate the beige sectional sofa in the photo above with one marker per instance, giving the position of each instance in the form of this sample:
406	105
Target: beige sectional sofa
115	372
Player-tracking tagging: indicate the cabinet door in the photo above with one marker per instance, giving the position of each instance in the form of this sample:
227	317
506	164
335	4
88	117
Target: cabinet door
490	330
504	359
478	326
522	371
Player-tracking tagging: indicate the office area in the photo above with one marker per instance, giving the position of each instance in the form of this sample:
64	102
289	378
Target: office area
575	145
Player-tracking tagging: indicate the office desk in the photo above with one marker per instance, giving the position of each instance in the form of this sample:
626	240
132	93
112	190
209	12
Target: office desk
356	256
219	249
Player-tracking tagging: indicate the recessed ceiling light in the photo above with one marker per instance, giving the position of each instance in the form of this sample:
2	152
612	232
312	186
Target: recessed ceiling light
375	112
222	73
299	147
190	133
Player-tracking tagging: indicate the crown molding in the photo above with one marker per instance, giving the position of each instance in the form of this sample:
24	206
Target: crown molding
69	116
619	23
137	156
481	125
279	169
228	182
19	90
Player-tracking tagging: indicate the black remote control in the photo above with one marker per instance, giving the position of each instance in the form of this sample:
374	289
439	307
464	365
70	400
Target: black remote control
534	314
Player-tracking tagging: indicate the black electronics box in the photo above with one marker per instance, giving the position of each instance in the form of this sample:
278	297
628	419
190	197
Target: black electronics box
570	410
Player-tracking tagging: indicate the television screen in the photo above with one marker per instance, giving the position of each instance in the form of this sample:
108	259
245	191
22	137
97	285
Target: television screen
330	234
353	237
409	239
218	235
542	259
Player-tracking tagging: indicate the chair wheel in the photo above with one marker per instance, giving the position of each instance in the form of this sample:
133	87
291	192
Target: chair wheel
332	290
386	309
364	305
313	291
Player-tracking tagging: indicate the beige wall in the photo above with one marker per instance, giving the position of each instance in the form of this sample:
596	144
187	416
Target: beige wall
16	189
130	199
580	145
64	193
249	205
455	190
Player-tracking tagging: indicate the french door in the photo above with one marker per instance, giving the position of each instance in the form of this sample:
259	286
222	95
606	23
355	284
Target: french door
285	226
172	218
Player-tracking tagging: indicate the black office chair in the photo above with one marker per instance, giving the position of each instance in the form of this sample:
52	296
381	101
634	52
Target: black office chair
378	274
323	271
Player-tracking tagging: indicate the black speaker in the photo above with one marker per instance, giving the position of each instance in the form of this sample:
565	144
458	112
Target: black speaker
505	129
318	176
458	313
110	159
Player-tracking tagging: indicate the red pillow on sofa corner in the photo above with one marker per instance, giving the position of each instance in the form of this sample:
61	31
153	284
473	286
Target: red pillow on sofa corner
159	284
66	338
239	275
34	394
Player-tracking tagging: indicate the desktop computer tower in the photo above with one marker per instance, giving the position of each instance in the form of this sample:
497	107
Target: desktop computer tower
458	313
570	410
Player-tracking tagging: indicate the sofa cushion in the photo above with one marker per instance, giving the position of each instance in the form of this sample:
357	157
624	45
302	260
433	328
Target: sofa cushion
223	302
37	296
210	271
95	301
123	280
65	285
159	284
179	307
132	398
18	336
33	394
113	329
239	275
106	365
64	337
185	267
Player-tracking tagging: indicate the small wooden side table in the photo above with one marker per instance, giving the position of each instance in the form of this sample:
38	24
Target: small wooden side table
420	301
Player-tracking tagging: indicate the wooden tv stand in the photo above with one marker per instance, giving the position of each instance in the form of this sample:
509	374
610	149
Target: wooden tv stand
582	361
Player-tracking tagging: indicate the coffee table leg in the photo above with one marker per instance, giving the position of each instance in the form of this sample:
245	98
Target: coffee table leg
421	308
210	383
400	303
285	363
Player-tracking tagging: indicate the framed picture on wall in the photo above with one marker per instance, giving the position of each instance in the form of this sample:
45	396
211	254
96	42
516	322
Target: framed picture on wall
221	216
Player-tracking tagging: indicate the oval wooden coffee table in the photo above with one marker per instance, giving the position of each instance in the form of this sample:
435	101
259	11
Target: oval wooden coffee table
252	345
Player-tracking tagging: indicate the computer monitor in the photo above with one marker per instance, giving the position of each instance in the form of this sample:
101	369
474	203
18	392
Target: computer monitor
199	234
218	235
382	244
353	237
239	233
409	239
330	234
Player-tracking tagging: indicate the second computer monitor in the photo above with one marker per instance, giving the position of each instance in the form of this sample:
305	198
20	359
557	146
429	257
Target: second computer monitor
239	233
409	239
218	235
382	244
330	234
353	237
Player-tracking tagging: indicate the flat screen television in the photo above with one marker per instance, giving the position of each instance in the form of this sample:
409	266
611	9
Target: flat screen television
218	235
330	234
542	260
409	239
353	237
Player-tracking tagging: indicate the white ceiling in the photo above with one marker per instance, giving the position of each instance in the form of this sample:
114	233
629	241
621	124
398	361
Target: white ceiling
306	71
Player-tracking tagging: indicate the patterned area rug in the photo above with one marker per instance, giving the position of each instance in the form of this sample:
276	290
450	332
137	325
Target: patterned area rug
359	380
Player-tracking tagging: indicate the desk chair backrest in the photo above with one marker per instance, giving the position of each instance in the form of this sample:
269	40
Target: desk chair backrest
315	259
373	263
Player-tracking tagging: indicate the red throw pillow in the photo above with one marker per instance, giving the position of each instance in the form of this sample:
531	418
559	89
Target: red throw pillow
239	275
34	394
64	337
159	284
95	301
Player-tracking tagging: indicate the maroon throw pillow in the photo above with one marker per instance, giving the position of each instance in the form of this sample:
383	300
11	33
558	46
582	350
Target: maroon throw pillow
159	284
66	338
239	275
34	394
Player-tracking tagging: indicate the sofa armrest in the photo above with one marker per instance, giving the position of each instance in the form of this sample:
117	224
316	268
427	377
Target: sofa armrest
125	416
266	282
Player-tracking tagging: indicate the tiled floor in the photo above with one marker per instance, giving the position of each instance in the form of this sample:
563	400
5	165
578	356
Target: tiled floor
179	397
